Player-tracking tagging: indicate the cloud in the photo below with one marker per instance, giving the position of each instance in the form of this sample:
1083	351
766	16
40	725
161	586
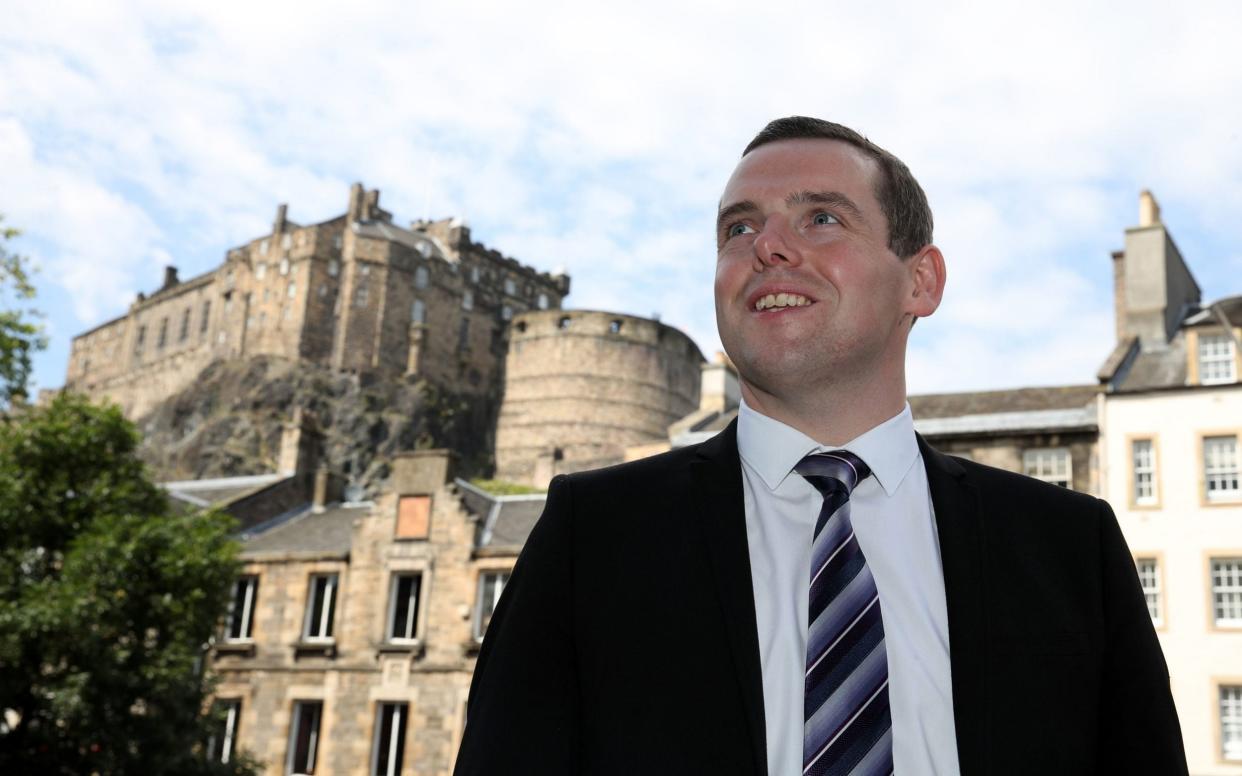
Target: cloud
598	138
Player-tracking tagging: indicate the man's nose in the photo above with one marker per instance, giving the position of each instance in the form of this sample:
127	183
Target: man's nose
774	246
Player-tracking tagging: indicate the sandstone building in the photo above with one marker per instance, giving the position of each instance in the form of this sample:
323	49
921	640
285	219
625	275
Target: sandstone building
357	292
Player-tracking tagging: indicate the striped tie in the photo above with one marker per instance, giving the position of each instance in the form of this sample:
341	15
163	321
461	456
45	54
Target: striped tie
848	730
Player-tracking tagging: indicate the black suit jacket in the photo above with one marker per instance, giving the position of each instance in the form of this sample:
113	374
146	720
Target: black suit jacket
625	642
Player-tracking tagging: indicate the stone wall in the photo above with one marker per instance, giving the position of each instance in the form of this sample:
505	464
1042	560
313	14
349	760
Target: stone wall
582	386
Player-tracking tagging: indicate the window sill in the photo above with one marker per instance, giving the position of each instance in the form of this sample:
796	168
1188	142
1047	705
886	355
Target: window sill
314	649
414	648
471	647
234	648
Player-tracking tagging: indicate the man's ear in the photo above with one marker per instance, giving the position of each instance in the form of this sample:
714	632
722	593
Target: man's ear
928	275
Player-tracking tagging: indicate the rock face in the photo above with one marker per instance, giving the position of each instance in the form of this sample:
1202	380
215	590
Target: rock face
229	422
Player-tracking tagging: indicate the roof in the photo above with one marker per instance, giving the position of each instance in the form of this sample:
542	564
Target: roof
308	531
416	240
952	405
221	490
504	521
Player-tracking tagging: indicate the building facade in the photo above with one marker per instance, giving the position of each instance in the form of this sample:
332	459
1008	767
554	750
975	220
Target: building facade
357	292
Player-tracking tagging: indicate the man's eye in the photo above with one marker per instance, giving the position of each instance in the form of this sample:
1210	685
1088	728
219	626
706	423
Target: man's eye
822	219
738	229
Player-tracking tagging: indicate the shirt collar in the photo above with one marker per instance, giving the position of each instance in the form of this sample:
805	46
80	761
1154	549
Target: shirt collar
772	448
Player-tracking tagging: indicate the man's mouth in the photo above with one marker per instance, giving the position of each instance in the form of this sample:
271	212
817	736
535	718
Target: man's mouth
780	301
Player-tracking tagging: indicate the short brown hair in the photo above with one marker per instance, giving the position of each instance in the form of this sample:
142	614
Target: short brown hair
900	196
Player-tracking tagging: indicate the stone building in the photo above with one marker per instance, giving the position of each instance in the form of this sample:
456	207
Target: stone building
357	292
581	386
354	627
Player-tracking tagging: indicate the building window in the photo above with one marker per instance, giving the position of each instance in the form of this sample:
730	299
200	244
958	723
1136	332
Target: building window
334	266
491	584
403	607
467	300
510	287
337	242
1149	578
260	270
361	296
1049	464
241	608
1220	468
202	328
463	335
1216	359
267	294
320	606
474	274
293	289
420	277
389	748
1143	456
263	248
1227	591
542	302
506	312
1231	722
185	325
142	335
563	323
304	737
615	327
220	742
285	242
418	311
163	338
284	263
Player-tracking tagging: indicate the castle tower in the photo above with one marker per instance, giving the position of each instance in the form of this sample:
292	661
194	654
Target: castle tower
581	386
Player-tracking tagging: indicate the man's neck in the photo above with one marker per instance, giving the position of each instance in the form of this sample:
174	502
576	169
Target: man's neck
835	415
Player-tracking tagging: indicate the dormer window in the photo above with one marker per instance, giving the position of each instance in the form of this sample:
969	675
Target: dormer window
1217	362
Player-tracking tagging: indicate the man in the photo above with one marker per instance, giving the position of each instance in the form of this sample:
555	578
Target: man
816	590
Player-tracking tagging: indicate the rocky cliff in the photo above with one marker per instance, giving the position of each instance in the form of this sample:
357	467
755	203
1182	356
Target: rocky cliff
229	422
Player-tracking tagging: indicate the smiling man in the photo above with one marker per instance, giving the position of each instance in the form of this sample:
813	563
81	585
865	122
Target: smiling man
815	590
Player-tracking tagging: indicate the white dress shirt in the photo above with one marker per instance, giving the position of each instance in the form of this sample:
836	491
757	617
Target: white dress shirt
892	516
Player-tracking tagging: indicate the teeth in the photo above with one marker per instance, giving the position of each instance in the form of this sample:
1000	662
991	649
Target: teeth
781	300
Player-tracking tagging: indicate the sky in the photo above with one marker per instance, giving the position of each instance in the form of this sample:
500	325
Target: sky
597	138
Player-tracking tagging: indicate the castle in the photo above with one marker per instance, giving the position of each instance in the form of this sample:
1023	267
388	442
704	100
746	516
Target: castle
357	292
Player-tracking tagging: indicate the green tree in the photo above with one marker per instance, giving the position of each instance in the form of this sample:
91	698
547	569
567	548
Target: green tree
19	335
107	598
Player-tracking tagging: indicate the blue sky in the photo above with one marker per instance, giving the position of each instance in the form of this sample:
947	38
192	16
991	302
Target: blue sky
597	139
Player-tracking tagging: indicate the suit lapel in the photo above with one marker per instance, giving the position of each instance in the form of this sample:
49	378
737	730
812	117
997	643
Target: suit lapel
956	504
721	529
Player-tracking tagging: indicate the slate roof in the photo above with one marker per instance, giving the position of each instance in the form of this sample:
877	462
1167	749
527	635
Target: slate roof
952	405
504	521
308	531
218	491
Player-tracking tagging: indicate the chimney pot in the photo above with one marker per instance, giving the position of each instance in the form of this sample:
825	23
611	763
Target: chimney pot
1149	209
170	277
278	226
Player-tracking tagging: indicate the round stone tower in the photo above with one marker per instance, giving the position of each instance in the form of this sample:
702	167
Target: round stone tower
582	385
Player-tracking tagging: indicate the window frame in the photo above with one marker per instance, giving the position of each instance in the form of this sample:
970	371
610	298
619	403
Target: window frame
296	722
228	734
478	627
1035	452
413	619
327	615
395	749
247	614
1219	685
1225	497
1159	620
1133	472
1214	622
1228	358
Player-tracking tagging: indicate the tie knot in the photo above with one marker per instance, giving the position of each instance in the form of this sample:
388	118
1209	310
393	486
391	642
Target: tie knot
829	472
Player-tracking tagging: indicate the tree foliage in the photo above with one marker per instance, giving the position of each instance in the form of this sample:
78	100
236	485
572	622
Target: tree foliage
107	598
19	335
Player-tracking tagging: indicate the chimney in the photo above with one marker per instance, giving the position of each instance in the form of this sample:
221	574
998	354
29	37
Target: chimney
371	204
1152	286
1149	209
320	497
170	277
356	196
298	445
422	471
278	226
719	390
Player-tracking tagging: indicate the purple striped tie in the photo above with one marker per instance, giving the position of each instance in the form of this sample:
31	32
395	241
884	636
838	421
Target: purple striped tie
848	729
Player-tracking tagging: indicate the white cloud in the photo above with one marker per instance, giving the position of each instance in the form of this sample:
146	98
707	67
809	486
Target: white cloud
598	137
